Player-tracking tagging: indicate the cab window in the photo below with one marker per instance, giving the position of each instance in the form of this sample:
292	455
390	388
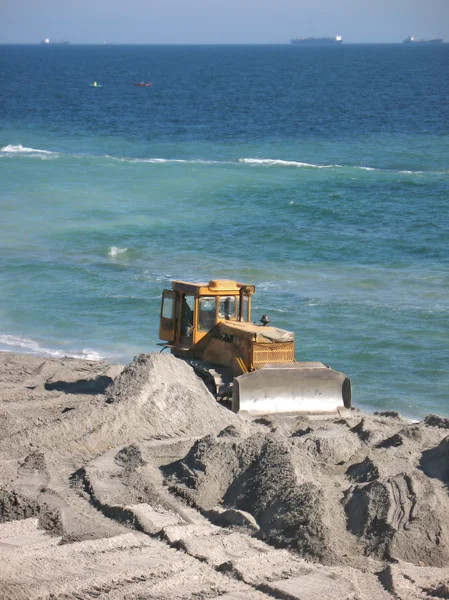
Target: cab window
226	307
245	311
206	313
167	306
187	304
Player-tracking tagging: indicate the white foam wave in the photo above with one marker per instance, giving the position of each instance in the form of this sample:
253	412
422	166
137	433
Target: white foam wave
12	343
272	162
115	251
265	162
159	161
11	149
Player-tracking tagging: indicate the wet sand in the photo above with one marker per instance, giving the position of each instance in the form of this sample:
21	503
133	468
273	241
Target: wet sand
132	482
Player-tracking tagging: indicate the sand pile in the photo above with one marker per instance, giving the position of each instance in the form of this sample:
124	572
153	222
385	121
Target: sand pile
332	491
159	396
134	483
154	396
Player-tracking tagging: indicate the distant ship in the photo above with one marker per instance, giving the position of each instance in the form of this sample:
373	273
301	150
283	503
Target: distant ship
312	41
48	41
411	40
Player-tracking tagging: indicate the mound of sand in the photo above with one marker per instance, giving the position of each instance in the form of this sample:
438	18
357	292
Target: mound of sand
155	395
334	493
163	396
132	482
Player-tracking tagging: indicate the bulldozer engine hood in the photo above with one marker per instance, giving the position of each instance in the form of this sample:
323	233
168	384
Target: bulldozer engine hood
257	333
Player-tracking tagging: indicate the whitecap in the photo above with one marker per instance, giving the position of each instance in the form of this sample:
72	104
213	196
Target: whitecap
19	342
88	354
13	343
160	161
272	162
115	251
11	149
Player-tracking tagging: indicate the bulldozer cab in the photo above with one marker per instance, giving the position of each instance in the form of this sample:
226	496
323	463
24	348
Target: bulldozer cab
190	310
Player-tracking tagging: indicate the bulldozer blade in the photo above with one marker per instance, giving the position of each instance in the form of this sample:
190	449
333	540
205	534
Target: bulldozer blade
291	388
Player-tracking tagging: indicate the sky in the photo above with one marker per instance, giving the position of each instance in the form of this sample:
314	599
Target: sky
220	21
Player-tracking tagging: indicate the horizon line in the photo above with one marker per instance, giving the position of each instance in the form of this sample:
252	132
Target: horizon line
66	43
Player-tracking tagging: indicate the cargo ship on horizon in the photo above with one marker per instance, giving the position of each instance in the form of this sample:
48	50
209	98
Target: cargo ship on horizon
314	41
411	40
48	41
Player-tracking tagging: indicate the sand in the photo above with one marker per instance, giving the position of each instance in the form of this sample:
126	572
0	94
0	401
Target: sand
132	482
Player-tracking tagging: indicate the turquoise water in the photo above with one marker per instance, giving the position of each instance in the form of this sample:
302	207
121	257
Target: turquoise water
320	175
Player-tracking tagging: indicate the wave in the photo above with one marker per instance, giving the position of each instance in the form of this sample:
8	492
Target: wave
12	343
115	251
192	161
18	149
14	149
269	162
272	162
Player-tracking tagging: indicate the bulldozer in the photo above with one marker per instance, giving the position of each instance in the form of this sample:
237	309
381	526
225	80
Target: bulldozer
247	365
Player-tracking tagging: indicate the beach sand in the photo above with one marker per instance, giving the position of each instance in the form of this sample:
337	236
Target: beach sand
132	482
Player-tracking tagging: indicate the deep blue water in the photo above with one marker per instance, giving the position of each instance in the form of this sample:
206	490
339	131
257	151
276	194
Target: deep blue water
321	175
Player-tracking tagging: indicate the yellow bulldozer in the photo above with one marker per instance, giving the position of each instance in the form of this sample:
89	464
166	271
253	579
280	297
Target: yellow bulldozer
250	365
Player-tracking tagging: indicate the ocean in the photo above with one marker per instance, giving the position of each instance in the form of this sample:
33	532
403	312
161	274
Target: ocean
321	175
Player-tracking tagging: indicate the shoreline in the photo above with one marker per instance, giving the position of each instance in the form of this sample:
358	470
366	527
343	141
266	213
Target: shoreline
131	481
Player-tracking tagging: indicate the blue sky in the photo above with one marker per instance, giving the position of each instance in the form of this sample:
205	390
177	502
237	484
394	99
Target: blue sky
220	21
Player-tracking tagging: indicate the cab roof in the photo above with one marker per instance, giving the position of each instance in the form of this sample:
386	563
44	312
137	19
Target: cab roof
214	287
